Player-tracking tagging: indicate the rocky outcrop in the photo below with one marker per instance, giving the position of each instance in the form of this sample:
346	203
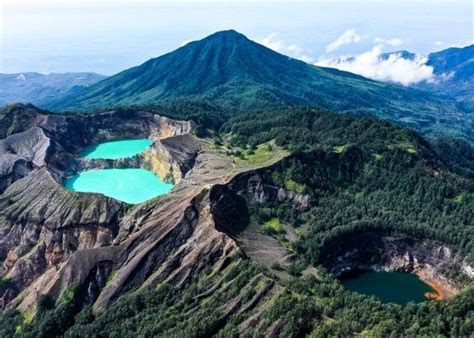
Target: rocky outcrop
169	239
43	224
17	118
170	159
257	186
230	206
20	154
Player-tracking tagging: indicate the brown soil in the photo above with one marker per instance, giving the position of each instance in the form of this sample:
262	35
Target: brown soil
442	290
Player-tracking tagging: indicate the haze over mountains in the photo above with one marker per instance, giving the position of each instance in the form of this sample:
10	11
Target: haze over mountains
453	73
454	70
41	89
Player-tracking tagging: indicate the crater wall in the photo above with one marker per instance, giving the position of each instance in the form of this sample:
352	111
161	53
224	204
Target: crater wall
436	264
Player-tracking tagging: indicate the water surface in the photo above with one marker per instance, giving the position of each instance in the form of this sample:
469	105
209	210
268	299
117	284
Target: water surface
129	185
395	287
116	149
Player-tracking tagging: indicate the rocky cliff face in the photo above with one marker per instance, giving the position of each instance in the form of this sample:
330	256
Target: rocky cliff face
20	154
433	262
42	224
169	158
257	187
53	239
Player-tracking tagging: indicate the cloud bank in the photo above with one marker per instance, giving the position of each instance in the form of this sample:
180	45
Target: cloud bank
272	41
348	37
392	69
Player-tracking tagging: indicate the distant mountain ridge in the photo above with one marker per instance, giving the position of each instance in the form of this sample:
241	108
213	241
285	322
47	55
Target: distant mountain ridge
459	60
228	69
399	53
41	89
453	71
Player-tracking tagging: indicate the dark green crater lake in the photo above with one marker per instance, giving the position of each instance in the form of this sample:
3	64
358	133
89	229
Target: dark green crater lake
389	287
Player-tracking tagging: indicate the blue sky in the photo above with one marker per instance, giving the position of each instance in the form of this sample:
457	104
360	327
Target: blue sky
106	37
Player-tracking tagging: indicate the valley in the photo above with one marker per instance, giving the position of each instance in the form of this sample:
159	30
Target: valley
41	89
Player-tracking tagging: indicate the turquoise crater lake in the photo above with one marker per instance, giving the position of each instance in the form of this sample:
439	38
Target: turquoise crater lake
389	287
128	185
116	149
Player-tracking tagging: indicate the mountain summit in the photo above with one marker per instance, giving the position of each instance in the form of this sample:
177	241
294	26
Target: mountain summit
225	66
229	69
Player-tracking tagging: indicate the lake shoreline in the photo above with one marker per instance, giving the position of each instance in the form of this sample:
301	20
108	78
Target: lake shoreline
442	290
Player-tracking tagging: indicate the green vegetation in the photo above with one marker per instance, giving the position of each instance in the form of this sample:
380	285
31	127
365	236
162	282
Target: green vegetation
355	192
339	149
385	178
378	157
249	156
262	155
255	77
405	146
289	184
308	306
5	283
458	198
294	186
272	227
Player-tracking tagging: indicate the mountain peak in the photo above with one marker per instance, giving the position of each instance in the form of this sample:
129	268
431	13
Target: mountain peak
226	37
404	54
226	34
228	69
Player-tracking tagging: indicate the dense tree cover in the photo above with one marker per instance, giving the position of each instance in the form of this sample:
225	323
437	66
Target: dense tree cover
458	153
316	306
365	174
393	191
361	174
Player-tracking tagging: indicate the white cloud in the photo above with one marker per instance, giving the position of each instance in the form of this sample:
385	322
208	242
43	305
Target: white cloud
395	42
272	41
349	36
439	43
392	69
